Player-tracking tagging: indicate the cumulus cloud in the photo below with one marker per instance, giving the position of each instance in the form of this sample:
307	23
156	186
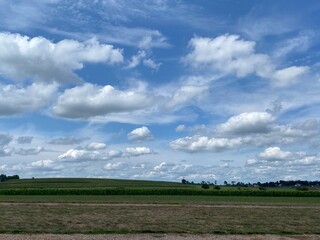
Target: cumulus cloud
256	129
138	151
275	154
91	100
96	146
229	54
274	161
203	143
140	134
40	59
97	152
246	123
82	155
15	100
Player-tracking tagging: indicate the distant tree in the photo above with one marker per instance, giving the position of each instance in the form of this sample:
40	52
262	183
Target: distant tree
205	185
184	181
4	177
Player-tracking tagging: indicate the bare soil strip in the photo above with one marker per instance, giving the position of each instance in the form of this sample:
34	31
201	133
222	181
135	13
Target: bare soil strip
153	237
163	205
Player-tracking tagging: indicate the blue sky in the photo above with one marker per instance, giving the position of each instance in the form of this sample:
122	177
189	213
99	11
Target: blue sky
161	90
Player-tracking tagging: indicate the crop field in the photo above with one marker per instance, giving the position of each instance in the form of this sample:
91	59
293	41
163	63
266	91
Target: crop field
158	214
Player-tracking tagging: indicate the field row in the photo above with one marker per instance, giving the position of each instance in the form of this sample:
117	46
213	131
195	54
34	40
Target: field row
155	191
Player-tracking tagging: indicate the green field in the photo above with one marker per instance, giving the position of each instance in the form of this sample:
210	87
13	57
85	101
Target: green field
78	186
89	183
171	213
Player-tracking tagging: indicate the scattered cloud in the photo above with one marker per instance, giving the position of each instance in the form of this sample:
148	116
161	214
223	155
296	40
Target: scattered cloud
246	123
118	166
203	143
289	76
142	58
229	54
28	151
180	128
17	100
274	154
44	165
91	100
39	59
138	151
96	146
140	134
67	140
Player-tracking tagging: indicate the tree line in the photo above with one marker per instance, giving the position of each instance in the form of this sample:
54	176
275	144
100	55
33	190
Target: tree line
281	183
4	177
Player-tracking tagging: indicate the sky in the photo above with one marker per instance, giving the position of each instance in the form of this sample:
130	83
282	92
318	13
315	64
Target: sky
224	90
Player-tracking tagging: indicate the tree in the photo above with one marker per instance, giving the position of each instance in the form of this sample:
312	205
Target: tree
184	181
204	185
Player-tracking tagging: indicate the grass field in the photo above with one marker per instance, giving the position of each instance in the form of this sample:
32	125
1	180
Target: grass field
151	213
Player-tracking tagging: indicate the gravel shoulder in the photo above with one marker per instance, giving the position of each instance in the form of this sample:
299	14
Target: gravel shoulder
153	237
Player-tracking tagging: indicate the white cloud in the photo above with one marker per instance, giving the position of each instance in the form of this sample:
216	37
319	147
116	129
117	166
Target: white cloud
275	154
180	128
187	93
114	154
100	154
289	76
15	100
91	100
246	123
203	143
142	58
96	146
228	54
40	59
138	151
256	129
140	134
115	166
82	155
44	165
